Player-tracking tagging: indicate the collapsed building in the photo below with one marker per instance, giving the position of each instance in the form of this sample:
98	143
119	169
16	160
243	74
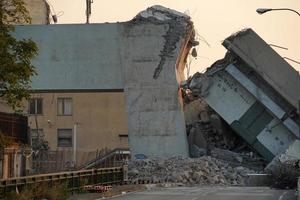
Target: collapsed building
244	104
256	92
98	84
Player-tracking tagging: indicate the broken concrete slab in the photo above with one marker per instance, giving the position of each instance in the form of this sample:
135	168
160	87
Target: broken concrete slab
258	55
290	155
254	108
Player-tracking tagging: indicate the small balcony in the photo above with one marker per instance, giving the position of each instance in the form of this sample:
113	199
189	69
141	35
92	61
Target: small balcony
14	126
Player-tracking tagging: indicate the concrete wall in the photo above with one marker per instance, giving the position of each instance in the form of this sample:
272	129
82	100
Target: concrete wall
77	56
156	121
101	117
154	52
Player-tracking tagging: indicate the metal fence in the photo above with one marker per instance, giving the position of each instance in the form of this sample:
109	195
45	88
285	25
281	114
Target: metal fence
47	161
74	180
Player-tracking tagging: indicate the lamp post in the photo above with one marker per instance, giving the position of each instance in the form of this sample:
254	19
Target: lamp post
264	10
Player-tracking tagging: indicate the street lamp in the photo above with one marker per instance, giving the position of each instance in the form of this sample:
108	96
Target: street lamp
264	10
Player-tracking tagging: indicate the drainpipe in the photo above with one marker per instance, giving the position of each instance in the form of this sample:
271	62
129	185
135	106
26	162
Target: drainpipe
74	145
15	165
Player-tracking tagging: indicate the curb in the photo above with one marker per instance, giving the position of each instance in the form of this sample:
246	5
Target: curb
119	195
258	180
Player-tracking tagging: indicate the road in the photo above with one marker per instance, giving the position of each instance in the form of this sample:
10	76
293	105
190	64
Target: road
211	193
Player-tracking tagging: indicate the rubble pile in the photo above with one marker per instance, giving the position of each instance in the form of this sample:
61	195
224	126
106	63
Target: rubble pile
209	135
205	170
214	137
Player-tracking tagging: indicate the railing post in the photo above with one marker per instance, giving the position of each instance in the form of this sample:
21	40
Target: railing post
125	173
95	176
72	183
78	188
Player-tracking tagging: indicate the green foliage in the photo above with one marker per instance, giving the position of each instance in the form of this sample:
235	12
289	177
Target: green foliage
15	63
42	191
286	175
4	140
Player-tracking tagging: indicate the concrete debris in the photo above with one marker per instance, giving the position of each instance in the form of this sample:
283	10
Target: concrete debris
206	129
159	12
205	170
196	152
203	134
247	159
290	157
209	135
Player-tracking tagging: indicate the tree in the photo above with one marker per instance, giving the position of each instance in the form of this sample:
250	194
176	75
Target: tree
16	69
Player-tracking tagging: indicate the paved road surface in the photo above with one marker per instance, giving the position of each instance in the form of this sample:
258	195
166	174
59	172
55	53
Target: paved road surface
211	193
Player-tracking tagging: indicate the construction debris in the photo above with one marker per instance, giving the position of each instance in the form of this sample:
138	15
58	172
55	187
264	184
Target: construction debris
205	170
97	188
208	134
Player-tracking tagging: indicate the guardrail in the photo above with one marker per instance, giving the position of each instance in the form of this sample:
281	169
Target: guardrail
74	180
113	158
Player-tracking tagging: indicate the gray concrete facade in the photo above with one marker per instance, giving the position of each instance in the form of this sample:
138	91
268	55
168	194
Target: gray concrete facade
75	56
154	44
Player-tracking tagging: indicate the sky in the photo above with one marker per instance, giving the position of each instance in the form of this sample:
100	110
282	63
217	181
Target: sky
214	20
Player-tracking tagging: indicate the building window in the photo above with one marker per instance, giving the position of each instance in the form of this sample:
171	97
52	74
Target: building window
64	106
36	136
64	138
36	106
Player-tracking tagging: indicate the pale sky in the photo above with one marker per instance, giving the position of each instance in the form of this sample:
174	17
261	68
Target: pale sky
214	20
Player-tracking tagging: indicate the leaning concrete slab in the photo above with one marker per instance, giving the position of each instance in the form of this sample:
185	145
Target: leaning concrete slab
267	63
240	90
155	45
291	154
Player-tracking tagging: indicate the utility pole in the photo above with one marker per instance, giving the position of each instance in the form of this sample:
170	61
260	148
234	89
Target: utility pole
75	143
88	11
